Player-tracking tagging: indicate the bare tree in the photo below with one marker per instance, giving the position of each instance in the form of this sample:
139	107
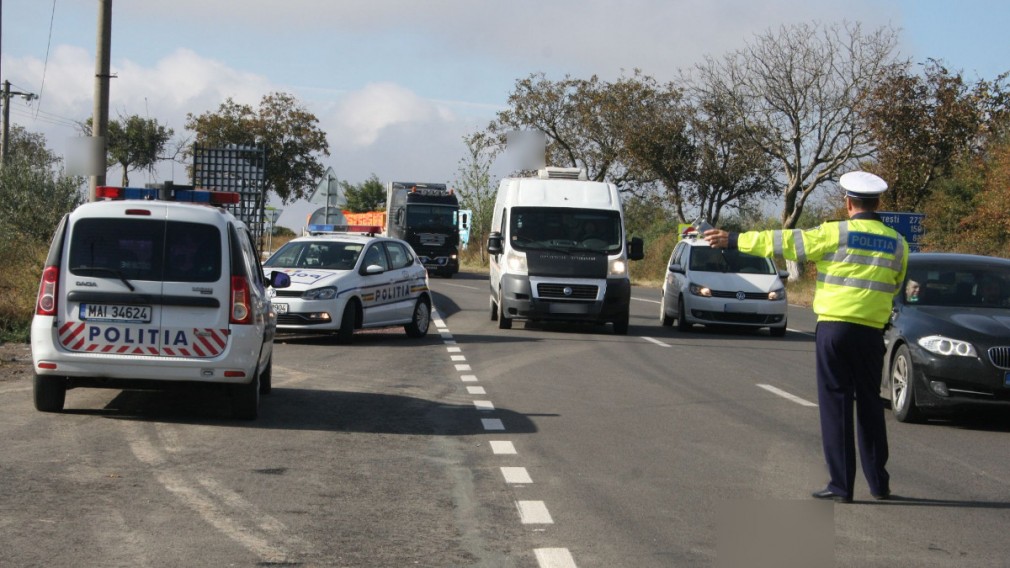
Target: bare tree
798	92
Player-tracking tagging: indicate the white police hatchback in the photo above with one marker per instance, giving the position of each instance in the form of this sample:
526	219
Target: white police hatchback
710	286
341	282
153	287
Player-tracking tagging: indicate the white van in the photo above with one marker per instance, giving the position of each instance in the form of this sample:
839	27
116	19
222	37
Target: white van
558	251
143	290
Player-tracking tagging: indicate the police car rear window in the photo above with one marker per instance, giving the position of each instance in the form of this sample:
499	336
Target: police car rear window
137	249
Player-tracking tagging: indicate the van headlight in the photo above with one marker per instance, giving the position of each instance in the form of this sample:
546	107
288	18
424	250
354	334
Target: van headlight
617	267
940	345
516	262
777	294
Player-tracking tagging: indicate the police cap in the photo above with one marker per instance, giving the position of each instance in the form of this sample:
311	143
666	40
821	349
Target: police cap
862	185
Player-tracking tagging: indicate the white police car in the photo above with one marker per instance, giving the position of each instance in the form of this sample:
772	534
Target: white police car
151	287
341	282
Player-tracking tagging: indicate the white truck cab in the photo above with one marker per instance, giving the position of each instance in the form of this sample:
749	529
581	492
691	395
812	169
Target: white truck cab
559	252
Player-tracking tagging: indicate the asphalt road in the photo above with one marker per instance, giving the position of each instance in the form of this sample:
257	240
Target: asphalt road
540	446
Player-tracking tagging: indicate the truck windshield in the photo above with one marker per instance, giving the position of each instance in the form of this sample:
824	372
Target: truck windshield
533	228
431	216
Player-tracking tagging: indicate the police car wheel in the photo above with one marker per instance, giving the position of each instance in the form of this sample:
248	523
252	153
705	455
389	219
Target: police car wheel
682	324
902	391
50	393
346	332
245	399
266	377
418	326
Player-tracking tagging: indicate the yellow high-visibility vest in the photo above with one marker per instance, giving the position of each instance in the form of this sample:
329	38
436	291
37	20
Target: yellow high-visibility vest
861	265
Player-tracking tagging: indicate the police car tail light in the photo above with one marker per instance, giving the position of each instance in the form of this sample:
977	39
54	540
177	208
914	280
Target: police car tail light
48	287
240	312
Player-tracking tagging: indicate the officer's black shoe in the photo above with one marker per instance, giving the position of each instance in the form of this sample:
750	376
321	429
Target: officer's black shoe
828	494
882	496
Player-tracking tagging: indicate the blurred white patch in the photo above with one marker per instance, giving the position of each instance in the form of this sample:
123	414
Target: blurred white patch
84	156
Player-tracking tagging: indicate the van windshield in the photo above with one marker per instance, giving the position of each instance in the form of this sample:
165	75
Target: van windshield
538	228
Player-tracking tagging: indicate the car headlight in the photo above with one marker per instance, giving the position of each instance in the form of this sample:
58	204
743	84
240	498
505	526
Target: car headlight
325	293
617	267
516	262
700	290
778	294
946	346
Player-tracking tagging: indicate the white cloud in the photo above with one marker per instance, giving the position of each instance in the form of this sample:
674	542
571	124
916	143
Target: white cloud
361	116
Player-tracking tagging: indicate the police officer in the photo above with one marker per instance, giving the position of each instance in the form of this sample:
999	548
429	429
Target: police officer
861	264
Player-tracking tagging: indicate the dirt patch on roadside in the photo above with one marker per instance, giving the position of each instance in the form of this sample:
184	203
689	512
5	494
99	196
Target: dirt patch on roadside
15	362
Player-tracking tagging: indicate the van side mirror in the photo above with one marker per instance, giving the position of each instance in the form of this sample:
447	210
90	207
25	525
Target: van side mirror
494	244
784	275
636	248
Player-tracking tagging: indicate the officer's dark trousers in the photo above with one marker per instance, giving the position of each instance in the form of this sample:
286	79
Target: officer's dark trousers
849	362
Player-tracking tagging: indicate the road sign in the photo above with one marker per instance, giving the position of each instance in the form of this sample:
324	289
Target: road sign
908	224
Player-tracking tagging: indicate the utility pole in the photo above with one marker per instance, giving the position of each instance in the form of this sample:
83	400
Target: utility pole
100	117
5	137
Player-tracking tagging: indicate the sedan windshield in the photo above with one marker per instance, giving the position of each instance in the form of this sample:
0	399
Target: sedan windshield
987	287
331	255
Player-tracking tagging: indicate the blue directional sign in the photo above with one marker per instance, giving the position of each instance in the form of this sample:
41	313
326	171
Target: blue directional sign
908	224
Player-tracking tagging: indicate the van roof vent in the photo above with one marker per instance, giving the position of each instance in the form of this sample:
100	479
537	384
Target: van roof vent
562	173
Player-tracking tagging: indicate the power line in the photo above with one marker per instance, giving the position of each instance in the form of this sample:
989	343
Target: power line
45	65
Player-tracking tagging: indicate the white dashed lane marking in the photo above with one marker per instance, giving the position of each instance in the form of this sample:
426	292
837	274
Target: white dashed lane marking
516	475
530	512
786	395
554	558
502	447
492	424
534	513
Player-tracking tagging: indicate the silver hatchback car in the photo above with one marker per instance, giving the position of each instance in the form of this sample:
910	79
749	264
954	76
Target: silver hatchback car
711	286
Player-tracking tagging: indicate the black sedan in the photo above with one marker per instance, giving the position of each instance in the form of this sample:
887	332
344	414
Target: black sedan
948	341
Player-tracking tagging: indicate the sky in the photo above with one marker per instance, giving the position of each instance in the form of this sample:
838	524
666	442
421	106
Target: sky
396	84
